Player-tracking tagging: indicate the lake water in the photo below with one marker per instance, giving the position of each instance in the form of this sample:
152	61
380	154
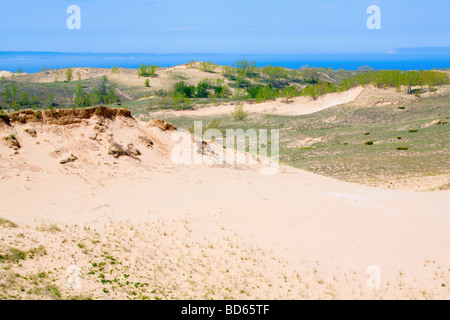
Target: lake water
34	61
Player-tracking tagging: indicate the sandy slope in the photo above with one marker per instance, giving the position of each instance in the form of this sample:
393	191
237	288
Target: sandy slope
5	74
279	228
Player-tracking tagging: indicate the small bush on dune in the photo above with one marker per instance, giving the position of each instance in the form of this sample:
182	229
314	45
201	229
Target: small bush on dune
191	64
239	114
318	89
228	72
207	66
147	71
69	74
115	69
288	93
7	223
245	68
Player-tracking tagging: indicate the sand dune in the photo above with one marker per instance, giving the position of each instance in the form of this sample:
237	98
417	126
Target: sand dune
294	223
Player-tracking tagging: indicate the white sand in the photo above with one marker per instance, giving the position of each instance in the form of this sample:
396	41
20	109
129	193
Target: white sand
325	231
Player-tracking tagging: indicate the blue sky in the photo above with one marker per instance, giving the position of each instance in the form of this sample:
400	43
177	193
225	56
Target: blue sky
214	26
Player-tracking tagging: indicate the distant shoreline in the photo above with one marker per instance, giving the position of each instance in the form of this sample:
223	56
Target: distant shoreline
32	62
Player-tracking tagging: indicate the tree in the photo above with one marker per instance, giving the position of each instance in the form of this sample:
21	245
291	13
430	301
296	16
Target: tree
147	71
202	90
104	93
35	103
81	98
142	71
274	73
7	94
184	90
411	79
311	75
25	100
14	92
244	67
289	93
69	74
152	70
51	102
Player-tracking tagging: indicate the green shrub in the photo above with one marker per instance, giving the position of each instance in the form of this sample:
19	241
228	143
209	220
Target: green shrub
402	148
69	74
35	103
289	92
245	68
273	74
103	94
239	114
25	100
396	79
369	143
147	71
182	89
202	89
318	89
228	72
115	69
207	66
222	91
191	64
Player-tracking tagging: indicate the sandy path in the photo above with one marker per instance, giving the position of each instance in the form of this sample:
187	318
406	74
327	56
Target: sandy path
299	106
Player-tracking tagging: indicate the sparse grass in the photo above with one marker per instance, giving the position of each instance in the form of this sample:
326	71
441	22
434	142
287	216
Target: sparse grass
444	187
7	223
13	255
239	114
347	157
52	228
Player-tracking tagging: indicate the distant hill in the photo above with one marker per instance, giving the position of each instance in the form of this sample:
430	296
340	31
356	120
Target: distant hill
423	51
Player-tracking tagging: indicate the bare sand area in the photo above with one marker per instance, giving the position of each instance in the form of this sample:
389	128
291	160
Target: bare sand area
85	183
